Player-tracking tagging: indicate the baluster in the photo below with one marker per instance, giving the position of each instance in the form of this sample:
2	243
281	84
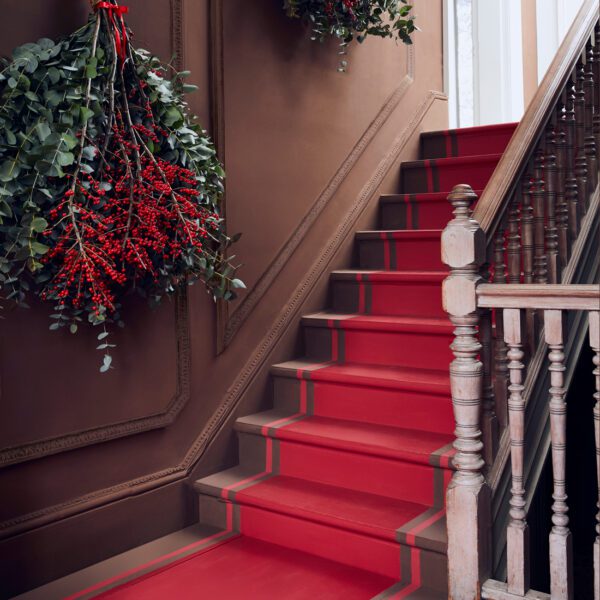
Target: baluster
513	246
500	360
489	418
527	245
597	95
537	195
595	344
571	186
550	175
581	172
590	140
517	534
468	497
562	211
561	567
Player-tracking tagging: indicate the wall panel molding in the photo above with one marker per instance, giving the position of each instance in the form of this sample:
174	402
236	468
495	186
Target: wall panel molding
228	323
254	366
79	439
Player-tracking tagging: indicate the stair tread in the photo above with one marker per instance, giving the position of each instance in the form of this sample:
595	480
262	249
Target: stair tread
426	234
366	513
420	197
376	375
471	130
379	322
244	567
452	161
390	276
393	442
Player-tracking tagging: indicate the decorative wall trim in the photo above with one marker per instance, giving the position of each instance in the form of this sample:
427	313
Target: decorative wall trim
227	330
96	435
251	369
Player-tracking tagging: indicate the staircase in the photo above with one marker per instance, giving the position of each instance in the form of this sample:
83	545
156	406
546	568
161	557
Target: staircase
352	463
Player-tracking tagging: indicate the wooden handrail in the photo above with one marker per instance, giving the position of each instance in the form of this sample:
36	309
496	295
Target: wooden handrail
491	205
539	296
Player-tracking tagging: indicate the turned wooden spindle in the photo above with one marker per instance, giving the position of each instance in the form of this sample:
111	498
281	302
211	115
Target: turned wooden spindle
571	186
540	268
562	210
595	344
468	497
527	243
527	250
550	184
581	172
513	244
517	535
500	360
561	566
590	89
490	421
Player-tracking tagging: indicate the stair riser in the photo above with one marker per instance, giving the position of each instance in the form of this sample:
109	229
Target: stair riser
404	480
403	254
432	177
387	298
406	349
365	404
407	214
450	144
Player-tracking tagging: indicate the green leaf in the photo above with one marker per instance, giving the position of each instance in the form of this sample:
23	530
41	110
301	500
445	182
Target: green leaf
65	159
39	224
89	152
91	71
86	114
106	363
73	328
43	130
11	138
172	116
39	248
53	75
9	170
238	283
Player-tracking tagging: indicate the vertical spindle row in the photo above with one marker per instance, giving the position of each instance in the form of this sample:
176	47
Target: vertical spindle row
596	121
571	182
562	211
550	183
581	172
590	141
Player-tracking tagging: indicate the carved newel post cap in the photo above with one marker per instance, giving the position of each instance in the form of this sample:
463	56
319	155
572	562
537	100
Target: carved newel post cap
462	198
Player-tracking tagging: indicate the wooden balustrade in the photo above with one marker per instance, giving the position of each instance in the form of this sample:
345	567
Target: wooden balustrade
514	262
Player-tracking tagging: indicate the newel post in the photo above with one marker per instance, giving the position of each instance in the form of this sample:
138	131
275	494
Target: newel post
468	496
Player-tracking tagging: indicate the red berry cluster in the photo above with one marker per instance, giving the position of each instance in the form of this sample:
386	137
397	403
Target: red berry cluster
132	220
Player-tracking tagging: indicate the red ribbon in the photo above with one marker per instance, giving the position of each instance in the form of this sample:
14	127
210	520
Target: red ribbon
115	15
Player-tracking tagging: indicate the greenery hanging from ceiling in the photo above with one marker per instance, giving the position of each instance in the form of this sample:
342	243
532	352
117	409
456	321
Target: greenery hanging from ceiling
350	20
107	184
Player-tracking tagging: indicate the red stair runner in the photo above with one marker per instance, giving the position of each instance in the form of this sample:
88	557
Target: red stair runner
340	488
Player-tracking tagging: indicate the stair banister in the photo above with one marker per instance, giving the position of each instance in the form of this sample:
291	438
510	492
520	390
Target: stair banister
492	205
530	234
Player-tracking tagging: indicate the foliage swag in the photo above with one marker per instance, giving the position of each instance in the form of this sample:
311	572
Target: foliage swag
348	20
107	185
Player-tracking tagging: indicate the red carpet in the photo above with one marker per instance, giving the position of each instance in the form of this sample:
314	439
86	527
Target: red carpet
340	488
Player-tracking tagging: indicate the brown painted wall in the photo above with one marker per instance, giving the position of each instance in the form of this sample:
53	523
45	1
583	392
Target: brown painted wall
92	465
